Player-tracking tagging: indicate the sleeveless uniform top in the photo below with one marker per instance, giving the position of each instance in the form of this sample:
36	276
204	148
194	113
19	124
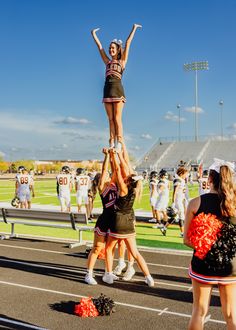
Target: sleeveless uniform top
108	197
210	203
124	204
114	68
113	90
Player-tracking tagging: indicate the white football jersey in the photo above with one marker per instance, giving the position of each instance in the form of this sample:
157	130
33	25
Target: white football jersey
163	193
24	182
83	182
64	182
180	183
203	186
153	187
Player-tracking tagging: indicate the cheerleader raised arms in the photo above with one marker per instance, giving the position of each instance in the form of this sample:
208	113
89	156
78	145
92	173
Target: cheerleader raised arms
113	92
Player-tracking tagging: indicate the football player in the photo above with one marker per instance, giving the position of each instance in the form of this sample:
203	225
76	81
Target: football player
24	186
204	187
179	197
163	189
64	187
153	194
82	185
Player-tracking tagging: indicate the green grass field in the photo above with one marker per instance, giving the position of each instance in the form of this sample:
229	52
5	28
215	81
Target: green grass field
45	192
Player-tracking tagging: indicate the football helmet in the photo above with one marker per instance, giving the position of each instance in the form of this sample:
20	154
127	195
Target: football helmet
21	168
171	212
15	202
65	169
79	171
153	174
163	173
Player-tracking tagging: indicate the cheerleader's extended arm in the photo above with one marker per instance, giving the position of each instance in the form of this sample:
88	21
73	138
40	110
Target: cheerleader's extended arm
123	190
103	176
128	43
102	52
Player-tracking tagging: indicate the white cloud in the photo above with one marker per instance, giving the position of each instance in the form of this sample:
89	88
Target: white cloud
2	154
172	117
192	109
146	136
72	121
232	126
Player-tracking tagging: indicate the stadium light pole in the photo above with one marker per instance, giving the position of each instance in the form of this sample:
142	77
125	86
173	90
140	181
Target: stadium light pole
221	104
196	66
178	107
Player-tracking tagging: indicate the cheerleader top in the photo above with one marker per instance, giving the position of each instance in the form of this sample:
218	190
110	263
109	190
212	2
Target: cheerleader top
210	203
114	68
124	204
108	197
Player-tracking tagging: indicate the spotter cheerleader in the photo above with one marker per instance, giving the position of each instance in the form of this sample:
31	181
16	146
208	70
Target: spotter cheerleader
211	219
123	223
113	93
108	193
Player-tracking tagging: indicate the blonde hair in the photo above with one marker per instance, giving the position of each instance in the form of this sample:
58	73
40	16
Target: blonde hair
227	192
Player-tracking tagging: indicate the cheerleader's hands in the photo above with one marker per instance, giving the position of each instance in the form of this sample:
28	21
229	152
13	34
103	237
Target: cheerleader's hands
105	151
112	151
95	30
136	26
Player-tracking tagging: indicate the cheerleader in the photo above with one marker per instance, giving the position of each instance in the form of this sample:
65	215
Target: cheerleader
113	93
108	193
206	271
179	197
123	223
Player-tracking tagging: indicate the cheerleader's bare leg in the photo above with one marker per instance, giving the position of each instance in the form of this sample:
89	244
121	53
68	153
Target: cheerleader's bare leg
228	304
118	108
201	301
132	247
110	115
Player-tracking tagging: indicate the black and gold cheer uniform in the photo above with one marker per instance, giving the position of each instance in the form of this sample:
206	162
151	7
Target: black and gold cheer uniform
199	269
113	90
108	197
123	221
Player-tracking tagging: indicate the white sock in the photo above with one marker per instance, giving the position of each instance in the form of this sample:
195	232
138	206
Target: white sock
121	261
149	277
90	272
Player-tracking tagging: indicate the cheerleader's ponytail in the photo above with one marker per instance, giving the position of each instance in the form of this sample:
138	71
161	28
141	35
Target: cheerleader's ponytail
227	192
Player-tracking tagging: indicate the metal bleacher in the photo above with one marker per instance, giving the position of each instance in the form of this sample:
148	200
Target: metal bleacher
168	154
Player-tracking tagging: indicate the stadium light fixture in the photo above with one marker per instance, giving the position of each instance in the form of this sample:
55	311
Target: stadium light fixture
221	104
178	107
196	66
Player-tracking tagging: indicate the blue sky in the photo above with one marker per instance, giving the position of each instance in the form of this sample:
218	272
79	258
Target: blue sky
51	75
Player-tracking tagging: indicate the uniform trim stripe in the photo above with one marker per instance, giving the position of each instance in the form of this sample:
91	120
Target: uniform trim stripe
99	232
114	99
211	279
116	235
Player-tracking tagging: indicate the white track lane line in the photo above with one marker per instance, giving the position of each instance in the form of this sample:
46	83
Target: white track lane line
5	321
163	311
58	252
